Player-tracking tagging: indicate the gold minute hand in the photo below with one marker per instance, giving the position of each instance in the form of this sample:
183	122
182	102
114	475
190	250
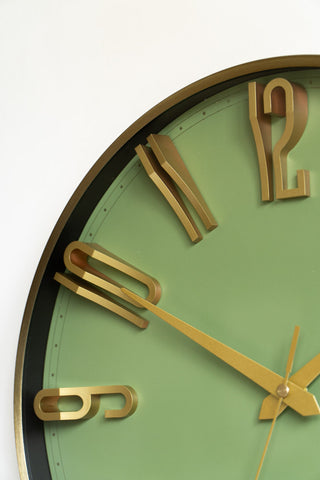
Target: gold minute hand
298	399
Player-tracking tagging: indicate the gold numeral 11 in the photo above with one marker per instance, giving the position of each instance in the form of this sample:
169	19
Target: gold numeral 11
285	99
166	169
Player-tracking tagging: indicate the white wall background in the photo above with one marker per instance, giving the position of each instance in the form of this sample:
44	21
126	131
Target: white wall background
73	75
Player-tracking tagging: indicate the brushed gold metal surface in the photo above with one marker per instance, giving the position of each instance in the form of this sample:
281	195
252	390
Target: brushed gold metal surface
298	399
296	113
261	129
76	257
170	160
94	295
165	168
282	392
286	99
47	409
303	377
165	185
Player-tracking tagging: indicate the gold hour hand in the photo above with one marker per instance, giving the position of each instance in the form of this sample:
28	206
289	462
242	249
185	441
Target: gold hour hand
297	398
303	377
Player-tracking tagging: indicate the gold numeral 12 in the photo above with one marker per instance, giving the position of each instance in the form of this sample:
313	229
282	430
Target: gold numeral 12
285	99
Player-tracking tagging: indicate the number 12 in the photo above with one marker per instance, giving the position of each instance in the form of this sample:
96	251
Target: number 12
285	99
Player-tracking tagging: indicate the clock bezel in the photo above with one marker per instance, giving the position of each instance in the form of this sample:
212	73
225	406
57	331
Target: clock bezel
32	341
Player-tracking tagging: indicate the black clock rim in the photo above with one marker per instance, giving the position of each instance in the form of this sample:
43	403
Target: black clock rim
30	441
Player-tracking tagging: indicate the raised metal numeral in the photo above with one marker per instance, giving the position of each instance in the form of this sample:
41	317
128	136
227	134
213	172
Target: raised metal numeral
278	97
166	169
46	405
87	281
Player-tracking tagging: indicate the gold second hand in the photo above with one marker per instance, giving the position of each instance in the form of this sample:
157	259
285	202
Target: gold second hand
282	392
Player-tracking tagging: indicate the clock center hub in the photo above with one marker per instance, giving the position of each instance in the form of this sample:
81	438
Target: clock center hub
282	390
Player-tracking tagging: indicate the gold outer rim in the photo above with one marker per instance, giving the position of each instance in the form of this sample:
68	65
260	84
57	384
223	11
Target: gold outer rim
259	66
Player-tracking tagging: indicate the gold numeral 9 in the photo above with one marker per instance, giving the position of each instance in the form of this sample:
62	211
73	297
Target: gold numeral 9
47	408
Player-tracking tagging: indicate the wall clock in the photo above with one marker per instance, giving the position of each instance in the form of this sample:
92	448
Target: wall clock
207	208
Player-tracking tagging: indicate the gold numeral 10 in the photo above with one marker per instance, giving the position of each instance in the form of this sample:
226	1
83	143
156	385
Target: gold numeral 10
92	283
285	99
166	169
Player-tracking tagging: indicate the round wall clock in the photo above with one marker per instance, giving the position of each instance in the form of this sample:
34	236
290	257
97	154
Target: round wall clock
173	321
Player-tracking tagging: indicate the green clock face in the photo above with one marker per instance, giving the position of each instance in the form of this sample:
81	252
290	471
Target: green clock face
246	283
